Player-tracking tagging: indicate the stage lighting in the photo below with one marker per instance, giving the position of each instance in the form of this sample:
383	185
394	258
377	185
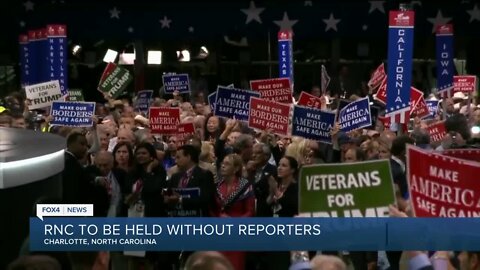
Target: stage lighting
154	57
110	56
76	49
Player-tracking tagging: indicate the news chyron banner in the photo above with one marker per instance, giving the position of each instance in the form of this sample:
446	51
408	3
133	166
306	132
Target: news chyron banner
362	189
442	186
399	71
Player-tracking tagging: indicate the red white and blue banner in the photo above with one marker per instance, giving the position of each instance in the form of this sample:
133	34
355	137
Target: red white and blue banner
57	55
445	65
33	52
399	75
285	55
25	78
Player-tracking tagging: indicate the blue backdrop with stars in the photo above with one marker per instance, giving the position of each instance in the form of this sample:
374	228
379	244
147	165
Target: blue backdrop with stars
93	20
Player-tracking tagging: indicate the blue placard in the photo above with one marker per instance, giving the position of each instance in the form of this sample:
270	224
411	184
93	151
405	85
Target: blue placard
186	193
233	103
176	82
312	124
211	100
253	234
76	114
445	64
285	56
432	108
355	115
142	103
399	72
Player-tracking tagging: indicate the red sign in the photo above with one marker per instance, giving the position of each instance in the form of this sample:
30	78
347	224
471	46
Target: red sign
266	114
285	35
467	154
421	109
381	94
446	29
108	69
164	120
465	84
56	30
437	131
278	90
442	186
377	77
311	101
185	130
401	18
386	121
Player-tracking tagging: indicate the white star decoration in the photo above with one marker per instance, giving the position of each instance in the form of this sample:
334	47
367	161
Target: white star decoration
130	29
364	27
308	3
331	23
22	24
29	5
191	29
253	13
438	20
376	5
286	23
114	13
165	22
474	14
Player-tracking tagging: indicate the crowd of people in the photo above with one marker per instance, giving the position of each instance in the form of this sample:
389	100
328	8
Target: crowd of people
126	171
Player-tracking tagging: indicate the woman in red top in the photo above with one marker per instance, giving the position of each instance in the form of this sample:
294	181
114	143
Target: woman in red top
234	198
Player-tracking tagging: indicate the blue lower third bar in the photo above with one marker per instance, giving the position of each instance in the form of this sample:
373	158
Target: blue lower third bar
253	234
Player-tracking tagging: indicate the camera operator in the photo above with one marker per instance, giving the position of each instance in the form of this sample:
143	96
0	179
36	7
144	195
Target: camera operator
458	133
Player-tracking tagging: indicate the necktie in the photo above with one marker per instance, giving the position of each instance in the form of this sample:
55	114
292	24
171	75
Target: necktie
184	180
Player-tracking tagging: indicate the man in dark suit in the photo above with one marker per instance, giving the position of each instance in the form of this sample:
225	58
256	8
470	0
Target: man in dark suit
398	167
111	180
260	155
190	175
77	185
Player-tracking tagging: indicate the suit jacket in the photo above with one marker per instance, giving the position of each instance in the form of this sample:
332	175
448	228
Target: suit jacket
399	177
153	185
200	179
121	177
78	187
262	190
